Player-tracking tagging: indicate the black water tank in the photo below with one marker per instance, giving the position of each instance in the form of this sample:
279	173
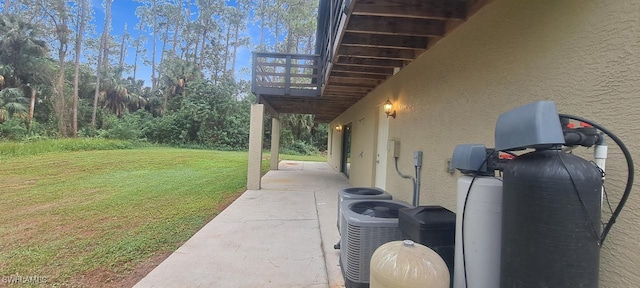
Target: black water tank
549	230
431	226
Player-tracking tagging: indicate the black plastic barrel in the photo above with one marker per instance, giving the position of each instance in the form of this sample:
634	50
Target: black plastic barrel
431	226
551	221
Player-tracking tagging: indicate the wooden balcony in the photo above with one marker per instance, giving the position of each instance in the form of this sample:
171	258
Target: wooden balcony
359	45
278	74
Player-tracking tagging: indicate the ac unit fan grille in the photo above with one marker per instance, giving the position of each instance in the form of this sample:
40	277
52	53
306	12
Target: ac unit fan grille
362	242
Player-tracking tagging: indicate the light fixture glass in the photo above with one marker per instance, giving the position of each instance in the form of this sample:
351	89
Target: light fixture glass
338	128
388	107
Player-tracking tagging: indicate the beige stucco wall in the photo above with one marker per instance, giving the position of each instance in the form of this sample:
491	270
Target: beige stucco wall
584	55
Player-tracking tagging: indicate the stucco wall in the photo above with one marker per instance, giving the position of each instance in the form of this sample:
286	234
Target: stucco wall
584	55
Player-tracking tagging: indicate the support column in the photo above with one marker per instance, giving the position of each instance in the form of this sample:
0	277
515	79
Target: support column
256	129
275	143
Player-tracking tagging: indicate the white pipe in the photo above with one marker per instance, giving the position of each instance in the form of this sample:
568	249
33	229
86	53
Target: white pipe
600	156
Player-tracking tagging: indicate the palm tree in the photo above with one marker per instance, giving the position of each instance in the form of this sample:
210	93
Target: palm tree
12	104
113	94
20	47
299	124
176	73
23	54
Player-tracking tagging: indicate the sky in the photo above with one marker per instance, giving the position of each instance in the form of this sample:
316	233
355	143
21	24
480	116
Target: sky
123	12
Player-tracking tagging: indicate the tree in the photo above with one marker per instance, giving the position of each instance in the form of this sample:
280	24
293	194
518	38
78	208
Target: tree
148	13
140	41
115	97
56	12
12	103
101	50
176	73
239	19
6	7
23	54
125	36
81	22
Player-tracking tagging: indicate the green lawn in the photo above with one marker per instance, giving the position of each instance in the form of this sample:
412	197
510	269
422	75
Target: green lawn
71	215
314	158
86	218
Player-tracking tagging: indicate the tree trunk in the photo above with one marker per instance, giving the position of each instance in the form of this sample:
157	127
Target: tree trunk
106	35
175	41
226	53
164	101
262	19
104	43
98	78
195	51
188	25
83	8
135	60
275	48
124	37
6	7
164	44
235	49
60	103
204	39
153	54
32	104
289	40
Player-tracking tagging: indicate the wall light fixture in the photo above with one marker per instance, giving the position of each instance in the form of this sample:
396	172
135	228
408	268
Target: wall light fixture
388	107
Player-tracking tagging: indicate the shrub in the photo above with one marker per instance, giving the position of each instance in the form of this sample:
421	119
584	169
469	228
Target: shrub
127	127
13	129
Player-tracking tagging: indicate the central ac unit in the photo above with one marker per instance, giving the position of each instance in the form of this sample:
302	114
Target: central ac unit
366	224
360	193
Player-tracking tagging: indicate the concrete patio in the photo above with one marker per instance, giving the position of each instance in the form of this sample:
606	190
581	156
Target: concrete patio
279	236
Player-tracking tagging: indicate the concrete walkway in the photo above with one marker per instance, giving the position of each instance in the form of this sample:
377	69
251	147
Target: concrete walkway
280	236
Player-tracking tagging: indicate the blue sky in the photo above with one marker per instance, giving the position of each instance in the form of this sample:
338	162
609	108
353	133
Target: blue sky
123	12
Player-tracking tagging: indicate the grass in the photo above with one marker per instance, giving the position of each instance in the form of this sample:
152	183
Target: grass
73	210
312	158
69	215
10	149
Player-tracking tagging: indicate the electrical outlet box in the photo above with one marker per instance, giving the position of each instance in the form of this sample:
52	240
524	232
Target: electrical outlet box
417	158
394	148
449	167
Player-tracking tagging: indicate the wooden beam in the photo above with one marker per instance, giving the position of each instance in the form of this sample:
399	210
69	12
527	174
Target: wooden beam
427	9
373	82
396	26
337	87
352	85
363	69
344	95
269	108
370	62
377	53
385	41
354	75
349	89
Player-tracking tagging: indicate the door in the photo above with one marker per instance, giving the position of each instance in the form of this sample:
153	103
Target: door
346	149
381	149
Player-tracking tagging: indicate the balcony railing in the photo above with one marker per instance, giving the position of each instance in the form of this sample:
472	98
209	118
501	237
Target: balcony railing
331	24
286	74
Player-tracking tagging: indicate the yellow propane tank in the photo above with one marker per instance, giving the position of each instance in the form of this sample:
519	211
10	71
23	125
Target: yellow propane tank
405	264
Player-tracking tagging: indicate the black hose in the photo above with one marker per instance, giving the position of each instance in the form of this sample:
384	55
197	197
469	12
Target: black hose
464	209
630	172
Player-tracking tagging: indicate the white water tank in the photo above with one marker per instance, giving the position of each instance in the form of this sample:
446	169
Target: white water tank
405	264
482	232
